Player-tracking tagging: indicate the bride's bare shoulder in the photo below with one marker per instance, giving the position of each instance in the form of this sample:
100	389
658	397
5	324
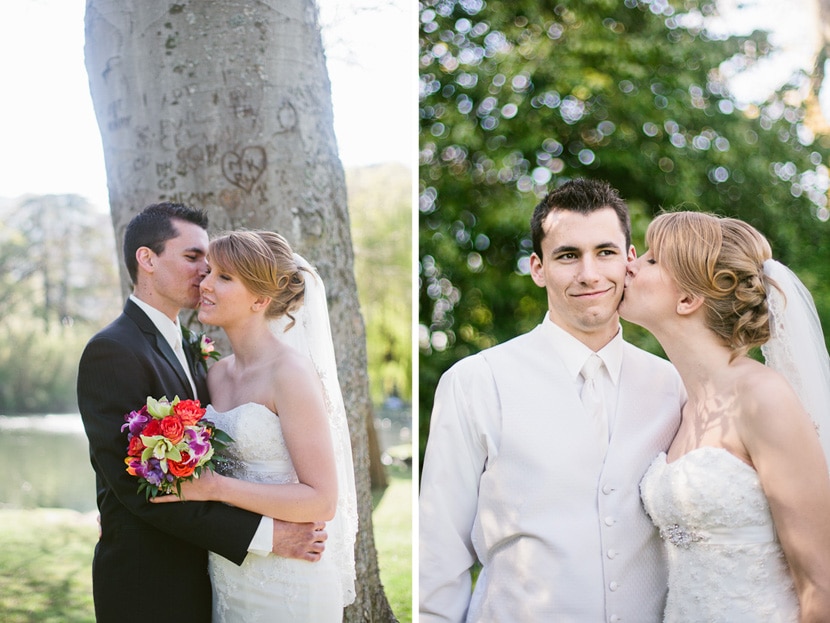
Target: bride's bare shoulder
768	399
291	365
220	367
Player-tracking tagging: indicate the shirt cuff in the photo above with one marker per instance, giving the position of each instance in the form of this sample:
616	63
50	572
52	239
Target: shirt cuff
263	540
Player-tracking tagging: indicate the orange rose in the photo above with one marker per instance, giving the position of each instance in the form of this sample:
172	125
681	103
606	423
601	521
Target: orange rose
136	446
172	428
190	411
180	469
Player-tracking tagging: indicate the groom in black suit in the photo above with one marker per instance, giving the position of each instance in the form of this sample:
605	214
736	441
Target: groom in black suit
150	563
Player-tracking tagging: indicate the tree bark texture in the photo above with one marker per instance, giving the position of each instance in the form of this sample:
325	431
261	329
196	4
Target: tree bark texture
226	105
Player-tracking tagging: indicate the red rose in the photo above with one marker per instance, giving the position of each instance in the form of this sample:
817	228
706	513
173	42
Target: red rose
172	428
152	429
136	446
181	469
190	411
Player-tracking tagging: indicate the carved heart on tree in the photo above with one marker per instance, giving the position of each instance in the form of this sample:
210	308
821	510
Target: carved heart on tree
245	168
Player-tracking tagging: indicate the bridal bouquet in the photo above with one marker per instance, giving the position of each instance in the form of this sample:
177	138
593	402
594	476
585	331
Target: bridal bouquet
168	443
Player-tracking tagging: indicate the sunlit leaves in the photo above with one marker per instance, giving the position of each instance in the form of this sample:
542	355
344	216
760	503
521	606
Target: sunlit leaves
516	97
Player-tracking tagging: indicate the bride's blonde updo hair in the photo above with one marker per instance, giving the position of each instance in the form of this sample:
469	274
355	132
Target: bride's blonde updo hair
720	260
264	262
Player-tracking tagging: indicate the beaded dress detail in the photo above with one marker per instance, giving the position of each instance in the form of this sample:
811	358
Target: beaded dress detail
725	562
267	588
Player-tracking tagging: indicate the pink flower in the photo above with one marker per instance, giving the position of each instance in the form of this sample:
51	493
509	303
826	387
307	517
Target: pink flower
206	346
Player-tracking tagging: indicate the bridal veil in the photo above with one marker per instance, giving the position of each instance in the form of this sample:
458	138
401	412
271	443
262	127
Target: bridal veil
311	334
796	347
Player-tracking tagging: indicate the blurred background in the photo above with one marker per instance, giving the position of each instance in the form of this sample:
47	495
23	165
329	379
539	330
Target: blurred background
713	105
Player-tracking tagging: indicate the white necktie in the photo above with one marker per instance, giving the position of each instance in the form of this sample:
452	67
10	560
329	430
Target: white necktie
177	348
592	398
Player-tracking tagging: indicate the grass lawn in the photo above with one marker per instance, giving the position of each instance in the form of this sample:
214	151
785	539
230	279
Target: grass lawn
392	520
46	559
45	566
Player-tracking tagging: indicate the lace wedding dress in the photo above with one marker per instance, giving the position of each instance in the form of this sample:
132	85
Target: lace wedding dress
725	562
267	588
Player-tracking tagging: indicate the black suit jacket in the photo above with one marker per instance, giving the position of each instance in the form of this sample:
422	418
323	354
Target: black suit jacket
150	556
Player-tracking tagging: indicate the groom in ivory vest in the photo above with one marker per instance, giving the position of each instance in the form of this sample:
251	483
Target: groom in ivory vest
142	354
532	465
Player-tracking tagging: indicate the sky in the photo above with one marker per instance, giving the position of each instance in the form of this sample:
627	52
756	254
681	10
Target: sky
794	32
49	139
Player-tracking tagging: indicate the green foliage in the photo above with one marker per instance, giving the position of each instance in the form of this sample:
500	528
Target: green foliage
59	285
15	289
38	369
380	200
518	97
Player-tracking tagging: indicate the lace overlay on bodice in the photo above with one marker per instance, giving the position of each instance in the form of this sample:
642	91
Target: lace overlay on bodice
258	452
267	588
725	562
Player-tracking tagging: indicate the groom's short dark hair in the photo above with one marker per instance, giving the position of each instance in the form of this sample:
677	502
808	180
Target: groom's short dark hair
153	227
581	195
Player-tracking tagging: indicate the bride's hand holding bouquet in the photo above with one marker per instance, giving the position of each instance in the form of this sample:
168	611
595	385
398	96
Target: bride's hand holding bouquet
169	444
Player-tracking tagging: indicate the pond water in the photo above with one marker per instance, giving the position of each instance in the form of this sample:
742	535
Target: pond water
44	462
44	459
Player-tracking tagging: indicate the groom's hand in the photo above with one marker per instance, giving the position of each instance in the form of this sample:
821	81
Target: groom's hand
305	541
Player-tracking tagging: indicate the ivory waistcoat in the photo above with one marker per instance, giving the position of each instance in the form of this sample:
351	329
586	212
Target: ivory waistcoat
560	528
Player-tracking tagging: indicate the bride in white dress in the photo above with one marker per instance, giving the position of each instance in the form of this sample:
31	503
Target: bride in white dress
278	397
742	496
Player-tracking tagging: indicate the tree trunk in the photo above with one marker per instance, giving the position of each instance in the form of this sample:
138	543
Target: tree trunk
377	472
227	106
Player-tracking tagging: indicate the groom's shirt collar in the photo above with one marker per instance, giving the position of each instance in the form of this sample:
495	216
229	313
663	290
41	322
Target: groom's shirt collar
171	331
574	353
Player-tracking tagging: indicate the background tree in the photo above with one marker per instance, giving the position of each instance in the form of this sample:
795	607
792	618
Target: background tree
58	285
227	106
380	200
517	97
60	263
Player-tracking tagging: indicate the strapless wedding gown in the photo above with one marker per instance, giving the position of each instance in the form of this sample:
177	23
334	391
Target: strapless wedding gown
725	562
267	589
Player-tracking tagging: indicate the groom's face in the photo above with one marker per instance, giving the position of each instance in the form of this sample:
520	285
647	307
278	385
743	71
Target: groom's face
583	271
179	269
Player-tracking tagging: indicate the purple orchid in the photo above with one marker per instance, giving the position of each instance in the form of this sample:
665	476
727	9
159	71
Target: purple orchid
135	421
198	443
151	471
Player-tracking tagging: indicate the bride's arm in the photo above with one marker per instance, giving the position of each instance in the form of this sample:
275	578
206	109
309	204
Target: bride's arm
306	432
788	457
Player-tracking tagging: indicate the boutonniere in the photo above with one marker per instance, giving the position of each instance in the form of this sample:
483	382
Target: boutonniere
201	346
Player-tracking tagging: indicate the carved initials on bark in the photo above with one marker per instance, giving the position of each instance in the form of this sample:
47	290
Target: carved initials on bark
245	168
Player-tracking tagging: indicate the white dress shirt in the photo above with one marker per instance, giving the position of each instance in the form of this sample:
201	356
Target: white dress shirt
171	331
514	477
